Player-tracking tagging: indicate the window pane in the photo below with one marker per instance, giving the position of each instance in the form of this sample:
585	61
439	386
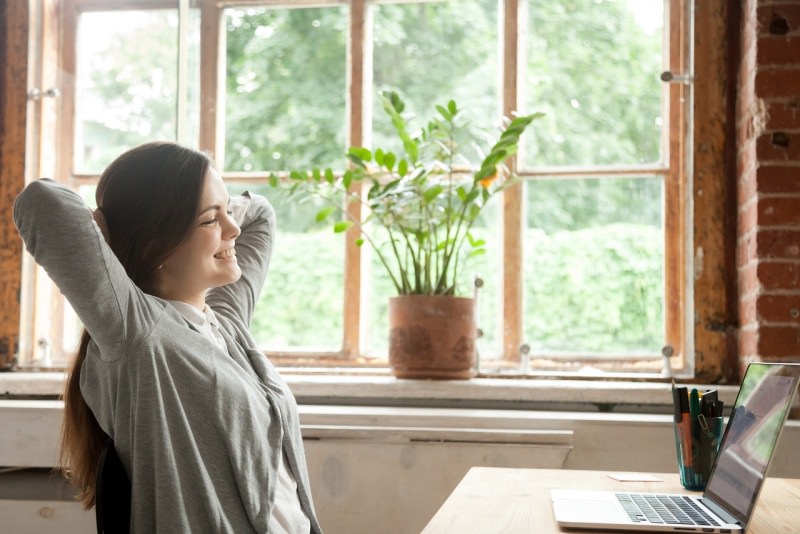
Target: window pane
127	83
593	272
300	307
455	43
431	52
593	67
285	80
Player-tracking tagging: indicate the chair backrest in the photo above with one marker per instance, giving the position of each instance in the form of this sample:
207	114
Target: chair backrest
112	494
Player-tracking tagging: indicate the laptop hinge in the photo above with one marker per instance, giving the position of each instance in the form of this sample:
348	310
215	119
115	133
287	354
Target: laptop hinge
720	511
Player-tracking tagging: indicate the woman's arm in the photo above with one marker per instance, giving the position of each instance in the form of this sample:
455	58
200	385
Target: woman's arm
59	231
253	253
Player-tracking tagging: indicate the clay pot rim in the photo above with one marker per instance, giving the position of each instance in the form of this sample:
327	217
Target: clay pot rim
419	296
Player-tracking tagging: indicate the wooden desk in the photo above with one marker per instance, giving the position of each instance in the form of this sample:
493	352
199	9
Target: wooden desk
491	500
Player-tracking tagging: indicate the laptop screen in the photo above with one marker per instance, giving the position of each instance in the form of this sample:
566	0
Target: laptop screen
749	442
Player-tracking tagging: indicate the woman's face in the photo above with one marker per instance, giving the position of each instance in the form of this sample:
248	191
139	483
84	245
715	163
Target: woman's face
206	258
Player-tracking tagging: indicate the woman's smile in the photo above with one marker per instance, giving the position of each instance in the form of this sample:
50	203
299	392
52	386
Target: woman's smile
226	254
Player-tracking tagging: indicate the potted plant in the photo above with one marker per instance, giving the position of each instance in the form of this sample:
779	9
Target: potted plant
420	207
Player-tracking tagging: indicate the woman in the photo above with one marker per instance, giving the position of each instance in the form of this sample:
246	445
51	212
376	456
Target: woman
164	276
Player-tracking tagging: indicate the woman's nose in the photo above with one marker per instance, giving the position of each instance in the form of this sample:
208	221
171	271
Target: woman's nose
232	230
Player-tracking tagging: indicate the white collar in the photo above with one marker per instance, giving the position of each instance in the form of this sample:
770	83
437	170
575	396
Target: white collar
202	318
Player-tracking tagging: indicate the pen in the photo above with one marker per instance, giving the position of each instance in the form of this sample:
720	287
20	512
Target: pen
676	403
694	404
695	431
684	426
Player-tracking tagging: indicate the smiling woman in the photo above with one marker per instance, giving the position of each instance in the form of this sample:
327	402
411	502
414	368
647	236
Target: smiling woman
206	257
167	371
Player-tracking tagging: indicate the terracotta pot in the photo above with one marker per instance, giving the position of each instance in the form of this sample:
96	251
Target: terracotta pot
432	336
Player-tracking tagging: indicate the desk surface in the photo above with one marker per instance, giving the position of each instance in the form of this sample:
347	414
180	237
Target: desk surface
491	500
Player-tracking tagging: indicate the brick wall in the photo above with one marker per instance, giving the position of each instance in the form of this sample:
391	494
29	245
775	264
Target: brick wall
768	172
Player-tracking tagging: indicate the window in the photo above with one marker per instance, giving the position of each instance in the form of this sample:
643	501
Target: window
586	255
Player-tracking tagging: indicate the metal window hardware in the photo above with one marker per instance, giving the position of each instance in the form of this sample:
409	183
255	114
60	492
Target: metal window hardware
671	77
525	357
38	94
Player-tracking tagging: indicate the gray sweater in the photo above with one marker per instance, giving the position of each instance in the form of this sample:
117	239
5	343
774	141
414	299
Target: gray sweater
198	430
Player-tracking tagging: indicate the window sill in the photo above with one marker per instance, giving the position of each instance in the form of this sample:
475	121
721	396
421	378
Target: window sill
507	393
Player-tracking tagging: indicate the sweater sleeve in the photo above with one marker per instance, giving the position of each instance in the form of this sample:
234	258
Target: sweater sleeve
253	253
59	232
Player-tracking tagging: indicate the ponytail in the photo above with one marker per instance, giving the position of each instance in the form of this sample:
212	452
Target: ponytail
82	439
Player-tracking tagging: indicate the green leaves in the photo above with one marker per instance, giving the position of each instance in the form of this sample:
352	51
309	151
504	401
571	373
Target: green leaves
419	208
359	156
342	226
324	213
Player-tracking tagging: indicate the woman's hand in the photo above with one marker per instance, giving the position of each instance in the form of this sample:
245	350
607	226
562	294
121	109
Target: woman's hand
100	220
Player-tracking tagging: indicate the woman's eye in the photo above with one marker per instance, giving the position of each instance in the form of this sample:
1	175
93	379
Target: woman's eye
208	222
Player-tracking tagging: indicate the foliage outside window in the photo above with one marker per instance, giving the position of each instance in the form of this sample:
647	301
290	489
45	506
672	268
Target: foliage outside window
591	242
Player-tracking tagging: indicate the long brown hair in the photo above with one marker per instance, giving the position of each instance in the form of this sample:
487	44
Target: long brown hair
148	197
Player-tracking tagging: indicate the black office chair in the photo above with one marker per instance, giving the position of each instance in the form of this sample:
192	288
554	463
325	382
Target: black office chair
112	494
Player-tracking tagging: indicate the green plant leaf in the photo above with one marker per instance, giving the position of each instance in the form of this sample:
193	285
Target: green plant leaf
402	167
329	177
361	153
347	179
475	242
389	160
342	226
395	101
324	213
411	147
432	192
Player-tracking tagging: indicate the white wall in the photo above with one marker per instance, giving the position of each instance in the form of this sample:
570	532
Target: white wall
378	469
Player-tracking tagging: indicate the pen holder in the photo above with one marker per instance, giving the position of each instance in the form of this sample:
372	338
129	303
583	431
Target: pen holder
697	442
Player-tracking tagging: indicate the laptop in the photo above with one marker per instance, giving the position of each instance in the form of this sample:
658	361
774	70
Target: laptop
756	421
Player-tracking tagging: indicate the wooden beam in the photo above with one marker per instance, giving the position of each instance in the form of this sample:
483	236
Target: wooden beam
714	323
13	95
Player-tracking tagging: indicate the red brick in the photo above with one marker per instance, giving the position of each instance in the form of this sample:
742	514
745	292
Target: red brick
778	244
788	11
747	311
748	281
747	218
748	188
778	50
778	275
778	342
783	114
771	83
778	309
746	157
778	179
780	211
748	343
746	249
778	147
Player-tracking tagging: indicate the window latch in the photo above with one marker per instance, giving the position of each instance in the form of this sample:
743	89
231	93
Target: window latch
38	94
672	77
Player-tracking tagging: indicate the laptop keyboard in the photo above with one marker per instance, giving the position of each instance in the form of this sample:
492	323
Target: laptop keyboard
664	509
